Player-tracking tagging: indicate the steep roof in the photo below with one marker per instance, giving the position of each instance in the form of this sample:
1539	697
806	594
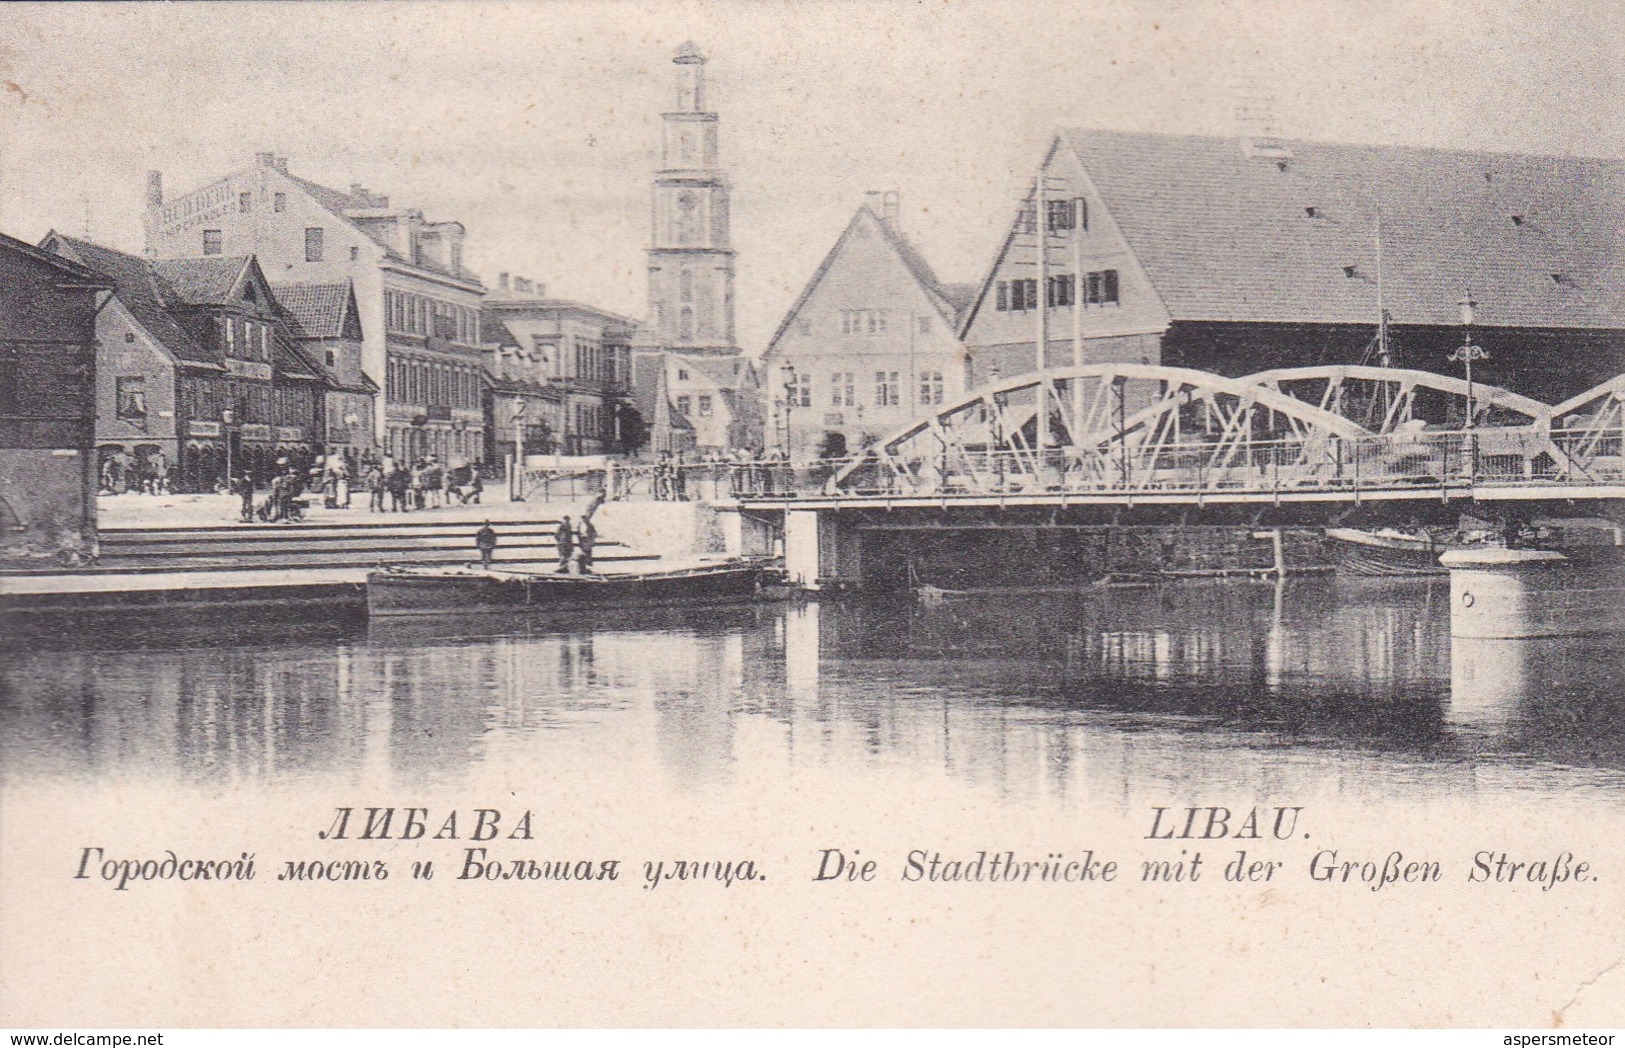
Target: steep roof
493	332
332	199
320	309
1225	236
340	204
66	266
721	370
146	295
912	260
206	281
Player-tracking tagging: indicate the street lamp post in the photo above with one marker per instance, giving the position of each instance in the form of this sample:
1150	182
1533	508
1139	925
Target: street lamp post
995	429
789	372
516	489
1465	354
227	417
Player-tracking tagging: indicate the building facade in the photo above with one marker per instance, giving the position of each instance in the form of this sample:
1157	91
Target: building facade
48	379
870	345
581	353
525	412
327	329
691	283
199	372
1235	256
417	304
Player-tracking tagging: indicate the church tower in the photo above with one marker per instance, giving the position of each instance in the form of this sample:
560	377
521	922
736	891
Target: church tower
691	259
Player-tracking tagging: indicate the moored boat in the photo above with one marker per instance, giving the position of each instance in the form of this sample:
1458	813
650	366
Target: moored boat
470	590
1387	552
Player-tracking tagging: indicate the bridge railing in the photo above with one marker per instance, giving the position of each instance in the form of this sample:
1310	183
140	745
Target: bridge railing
1455	459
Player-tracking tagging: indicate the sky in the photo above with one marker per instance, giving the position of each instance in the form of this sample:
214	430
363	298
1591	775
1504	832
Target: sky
536	125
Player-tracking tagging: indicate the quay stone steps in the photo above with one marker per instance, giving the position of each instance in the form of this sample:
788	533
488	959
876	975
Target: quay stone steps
294	546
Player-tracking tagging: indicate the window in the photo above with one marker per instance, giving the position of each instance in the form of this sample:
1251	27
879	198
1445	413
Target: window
803	394
925	325
863	321
279	202
685	405
1102	288
931	387
313	244
886	391
245	203
229	335
1060	290
1018	295
211	241
1025	222
355	254
842	391
332	359
682	375
1061	215
132	397
705	405
685	323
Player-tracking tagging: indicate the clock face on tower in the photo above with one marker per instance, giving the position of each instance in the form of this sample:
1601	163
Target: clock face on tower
688	200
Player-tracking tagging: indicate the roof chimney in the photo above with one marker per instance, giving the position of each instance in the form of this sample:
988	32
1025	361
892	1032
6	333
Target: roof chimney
891	206
155	189
265	159
502	281
281	164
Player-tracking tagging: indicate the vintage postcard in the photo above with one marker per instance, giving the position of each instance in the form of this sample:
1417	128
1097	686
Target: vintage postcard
830	514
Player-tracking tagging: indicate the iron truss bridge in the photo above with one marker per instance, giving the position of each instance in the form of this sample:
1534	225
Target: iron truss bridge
1138	433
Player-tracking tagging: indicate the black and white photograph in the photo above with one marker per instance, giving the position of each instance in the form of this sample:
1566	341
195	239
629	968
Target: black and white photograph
794	515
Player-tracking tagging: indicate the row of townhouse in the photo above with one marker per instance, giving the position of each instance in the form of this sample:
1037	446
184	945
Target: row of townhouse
431	336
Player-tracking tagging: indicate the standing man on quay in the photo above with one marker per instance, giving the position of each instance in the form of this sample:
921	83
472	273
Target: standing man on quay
486	540
566	539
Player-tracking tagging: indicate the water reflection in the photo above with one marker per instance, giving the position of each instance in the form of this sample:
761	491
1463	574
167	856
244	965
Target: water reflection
1314	684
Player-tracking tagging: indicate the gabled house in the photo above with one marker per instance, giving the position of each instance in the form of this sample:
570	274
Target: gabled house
198	373
869	345
327	330
1239	255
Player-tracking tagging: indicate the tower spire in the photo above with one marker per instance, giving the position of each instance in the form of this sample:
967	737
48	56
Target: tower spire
691	257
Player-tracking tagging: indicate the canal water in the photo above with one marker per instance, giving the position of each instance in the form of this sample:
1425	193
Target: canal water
1146	728
1354	686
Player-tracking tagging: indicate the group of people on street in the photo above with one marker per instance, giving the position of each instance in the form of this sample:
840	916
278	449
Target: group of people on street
282	503
425	484
575	541
147	474
669	483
